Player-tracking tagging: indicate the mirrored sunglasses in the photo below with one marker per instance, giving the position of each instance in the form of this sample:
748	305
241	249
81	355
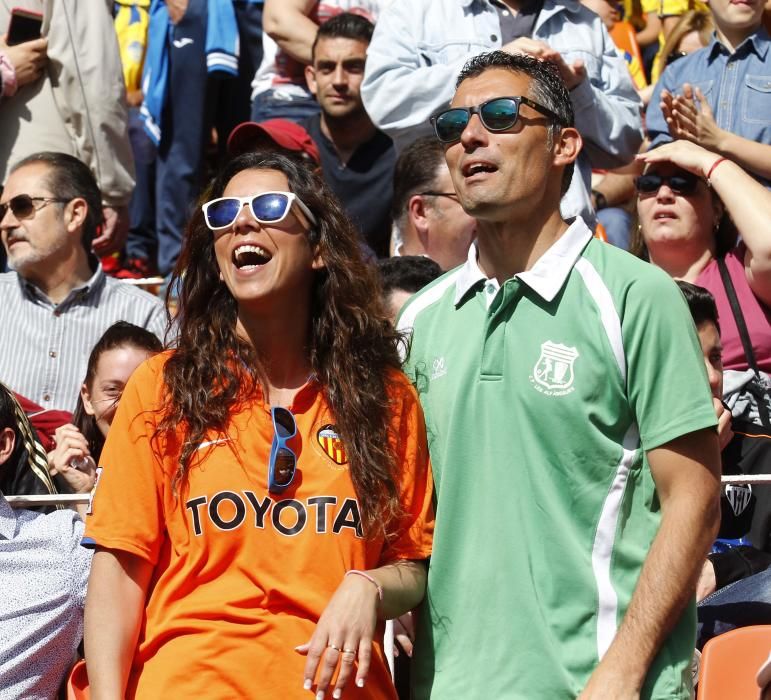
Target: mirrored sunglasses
498	114
282	463
23	205
266	208
679	183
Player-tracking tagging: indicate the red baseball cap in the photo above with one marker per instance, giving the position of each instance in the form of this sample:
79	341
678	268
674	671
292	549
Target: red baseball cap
284	133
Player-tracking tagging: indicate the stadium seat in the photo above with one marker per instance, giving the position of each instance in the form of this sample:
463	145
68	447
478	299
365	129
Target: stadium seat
730	663
77	682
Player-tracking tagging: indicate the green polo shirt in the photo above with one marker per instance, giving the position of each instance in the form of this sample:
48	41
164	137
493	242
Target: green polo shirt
541	398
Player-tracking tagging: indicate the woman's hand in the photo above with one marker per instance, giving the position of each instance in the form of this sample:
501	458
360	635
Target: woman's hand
343	635
684	154
71	445
28	59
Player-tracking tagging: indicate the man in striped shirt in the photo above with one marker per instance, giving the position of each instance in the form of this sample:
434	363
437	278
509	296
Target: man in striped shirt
570	425
57	302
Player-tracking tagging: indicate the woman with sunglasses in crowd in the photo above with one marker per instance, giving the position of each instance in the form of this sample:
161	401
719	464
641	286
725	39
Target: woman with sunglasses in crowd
265	499
120	350
691	204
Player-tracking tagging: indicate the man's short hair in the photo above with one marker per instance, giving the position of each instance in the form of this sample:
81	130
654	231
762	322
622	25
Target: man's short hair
409	273
415	171
546	87
346	25
701	303
70	178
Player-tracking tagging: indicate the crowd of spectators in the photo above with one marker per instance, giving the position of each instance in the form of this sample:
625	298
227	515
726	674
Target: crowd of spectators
119	120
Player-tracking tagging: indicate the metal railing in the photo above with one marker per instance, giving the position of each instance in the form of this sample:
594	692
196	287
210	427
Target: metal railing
48	499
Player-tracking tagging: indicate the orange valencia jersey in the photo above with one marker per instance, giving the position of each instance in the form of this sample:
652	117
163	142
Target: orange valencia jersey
241	576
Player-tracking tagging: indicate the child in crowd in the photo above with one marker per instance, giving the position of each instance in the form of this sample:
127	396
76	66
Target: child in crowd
719	96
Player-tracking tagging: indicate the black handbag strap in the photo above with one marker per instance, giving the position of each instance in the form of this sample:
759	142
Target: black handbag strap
738	315
759	393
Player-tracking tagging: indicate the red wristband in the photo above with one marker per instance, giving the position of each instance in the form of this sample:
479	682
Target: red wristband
714	165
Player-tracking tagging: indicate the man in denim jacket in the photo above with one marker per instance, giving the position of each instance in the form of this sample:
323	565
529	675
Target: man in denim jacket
420	46
720	96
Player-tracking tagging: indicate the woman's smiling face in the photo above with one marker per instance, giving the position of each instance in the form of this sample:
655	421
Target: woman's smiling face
257	261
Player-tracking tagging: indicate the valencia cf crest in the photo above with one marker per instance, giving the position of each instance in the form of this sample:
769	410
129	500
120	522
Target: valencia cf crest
332	444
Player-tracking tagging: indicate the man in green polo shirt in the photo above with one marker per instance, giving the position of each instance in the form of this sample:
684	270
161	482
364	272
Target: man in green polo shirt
570	423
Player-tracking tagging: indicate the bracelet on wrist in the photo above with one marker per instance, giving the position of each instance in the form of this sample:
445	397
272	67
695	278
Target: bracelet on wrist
714	165
365	575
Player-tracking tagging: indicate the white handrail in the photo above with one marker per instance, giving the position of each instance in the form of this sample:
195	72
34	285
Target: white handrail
746	479
48	499
144	281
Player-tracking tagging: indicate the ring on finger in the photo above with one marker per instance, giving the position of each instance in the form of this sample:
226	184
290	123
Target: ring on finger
332	646
349	651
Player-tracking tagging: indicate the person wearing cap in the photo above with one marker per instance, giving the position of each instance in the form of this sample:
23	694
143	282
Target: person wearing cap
279	135
357	160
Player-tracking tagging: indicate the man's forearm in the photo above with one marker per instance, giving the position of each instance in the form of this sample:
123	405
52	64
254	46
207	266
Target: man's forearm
686	472
290	27
666	585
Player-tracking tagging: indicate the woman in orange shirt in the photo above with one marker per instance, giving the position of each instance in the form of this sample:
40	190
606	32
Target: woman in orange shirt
264	497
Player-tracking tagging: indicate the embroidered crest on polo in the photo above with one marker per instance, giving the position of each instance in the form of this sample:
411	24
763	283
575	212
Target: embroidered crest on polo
332	444
553	373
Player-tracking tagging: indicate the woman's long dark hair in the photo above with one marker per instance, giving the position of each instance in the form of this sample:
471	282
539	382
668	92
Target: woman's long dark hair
118	335
352	345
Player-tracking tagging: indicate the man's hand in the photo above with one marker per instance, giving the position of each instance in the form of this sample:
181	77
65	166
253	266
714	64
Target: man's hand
573	74
404	633
531	47
606	683
724	432
28	59
114	231
707	583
